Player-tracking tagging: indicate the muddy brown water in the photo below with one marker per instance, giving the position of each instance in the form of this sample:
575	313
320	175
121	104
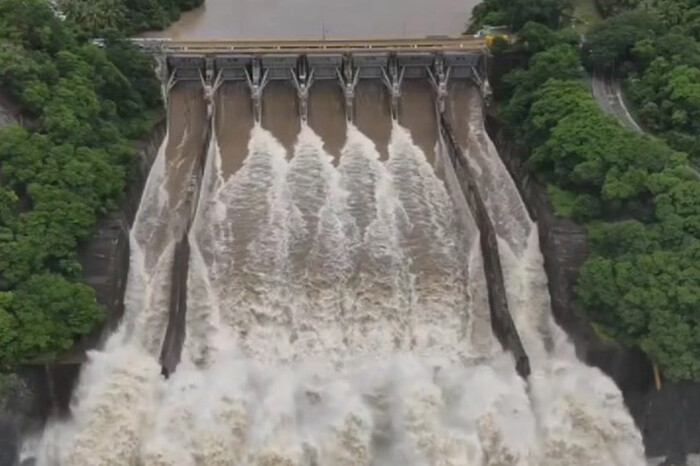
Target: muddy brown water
187	127
327	115
234	120
280	113
318	19
417	114
373	113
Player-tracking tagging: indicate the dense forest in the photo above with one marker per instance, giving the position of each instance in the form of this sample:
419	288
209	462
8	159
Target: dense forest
83	106
656	49
102	17
636	193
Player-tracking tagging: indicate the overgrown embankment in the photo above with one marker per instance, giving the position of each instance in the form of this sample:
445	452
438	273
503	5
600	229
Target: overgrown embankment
88	106
655	48
636	195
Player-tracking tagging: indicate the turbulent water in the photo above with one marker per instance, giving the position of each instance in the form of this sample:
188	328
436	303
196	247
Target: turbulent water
337	315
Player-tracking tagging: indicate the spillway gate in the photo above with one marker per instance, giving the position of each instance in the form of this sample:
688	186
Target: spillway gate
304	62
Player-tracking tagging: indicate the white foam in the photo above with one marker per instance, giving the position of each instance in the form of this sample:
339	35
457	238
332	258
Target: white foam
337	316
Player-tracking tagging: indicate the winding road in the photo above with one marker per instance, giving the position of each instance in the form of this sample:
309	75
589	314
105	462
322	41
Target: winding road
608	93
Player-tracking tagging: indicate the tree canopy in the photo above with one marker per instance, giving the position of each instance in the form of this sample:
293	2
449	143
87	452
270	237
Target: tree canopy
94	18
516	13
86	104
657	51
637	195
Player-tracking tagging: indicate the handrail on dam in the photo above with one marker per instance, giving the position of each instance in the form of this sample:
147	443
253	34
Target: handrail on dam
305	61
311	46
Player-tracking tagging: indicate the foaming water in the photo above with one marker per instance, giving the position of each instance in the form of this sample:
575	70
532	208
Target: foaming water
337	315
323	352
580	412
119	386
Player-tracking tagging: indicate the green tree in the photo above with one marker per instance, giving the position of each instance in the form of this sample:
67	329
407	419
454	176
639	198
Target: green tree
558	62
612	40
51	312
641	283
8	330
516	13
651	300
85	104
612	7
94	17
33	25
552	102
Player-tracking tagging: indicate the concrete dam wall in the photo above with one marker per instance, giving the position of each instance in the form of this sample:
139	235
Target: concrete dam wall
330	264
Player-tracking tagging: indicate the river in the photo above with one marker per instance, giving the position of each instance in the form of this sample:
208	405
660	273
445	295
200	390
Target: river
318	19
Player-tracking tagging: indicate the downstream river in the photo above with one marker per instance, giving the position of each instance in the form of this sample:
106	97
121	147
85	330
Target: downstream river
318	19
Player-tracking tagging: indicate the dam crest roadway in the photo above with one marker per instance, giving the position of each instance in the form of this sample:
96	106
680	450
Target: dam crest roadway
303	62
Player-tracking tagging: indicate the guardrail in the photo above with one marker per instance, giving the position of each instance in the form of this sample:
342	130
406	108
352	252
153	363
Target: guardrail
199	47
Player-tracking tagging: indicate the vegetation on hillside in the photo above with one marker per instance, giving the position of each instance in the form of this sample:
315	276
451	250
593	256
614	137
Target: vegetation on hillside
656	50
102	17
639	198
517	13
87	104
611	7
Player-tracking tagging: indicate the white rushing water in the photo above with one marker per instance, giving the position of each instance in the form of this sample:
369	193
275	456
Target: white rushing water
337	315
580	412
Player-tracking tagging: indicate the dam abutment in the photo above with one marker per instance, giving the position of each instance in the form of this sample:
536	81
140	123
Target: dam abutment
174	338
501	319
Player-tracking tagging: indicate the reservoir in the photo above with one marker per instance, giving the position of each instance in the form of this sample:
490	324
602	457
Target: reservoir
318	19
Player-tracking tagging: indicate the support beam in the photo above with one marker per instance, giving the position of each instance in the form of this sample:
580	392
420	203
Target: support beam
210	84
303	78
257	79
172	80
439	78
348	77
392	76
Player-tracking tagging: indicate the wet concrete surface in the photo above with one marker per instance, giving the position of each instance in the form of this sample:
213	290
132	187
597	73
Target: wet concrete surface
373	113
158	226
462	95
327	115
234	121
280	113
187	127
417	114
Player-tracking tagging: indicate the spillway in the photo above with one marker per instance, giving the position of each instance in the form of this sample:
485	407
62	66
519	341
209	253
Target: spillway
337	311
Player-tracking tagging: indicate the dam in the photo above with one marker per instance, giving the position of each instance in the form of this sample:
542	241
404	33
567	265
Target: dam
330	265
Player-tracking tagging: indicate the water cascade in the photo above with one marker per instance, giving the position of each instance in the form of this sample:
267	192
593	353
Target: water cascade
336	315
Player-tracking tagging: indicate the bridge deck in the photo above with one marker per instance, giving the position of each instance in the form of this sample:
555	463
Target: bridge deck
309	46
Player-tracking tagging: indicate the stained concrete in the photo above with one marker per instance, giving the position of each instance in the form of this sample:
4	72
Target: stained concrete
327	115
373	113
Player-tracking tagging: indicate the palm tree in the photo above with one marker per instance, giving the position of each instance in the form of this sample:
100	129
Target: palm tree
94	16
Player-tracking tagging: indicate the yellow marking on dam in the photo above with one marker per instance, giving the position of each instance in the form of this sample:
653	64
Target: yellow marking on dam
463	44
